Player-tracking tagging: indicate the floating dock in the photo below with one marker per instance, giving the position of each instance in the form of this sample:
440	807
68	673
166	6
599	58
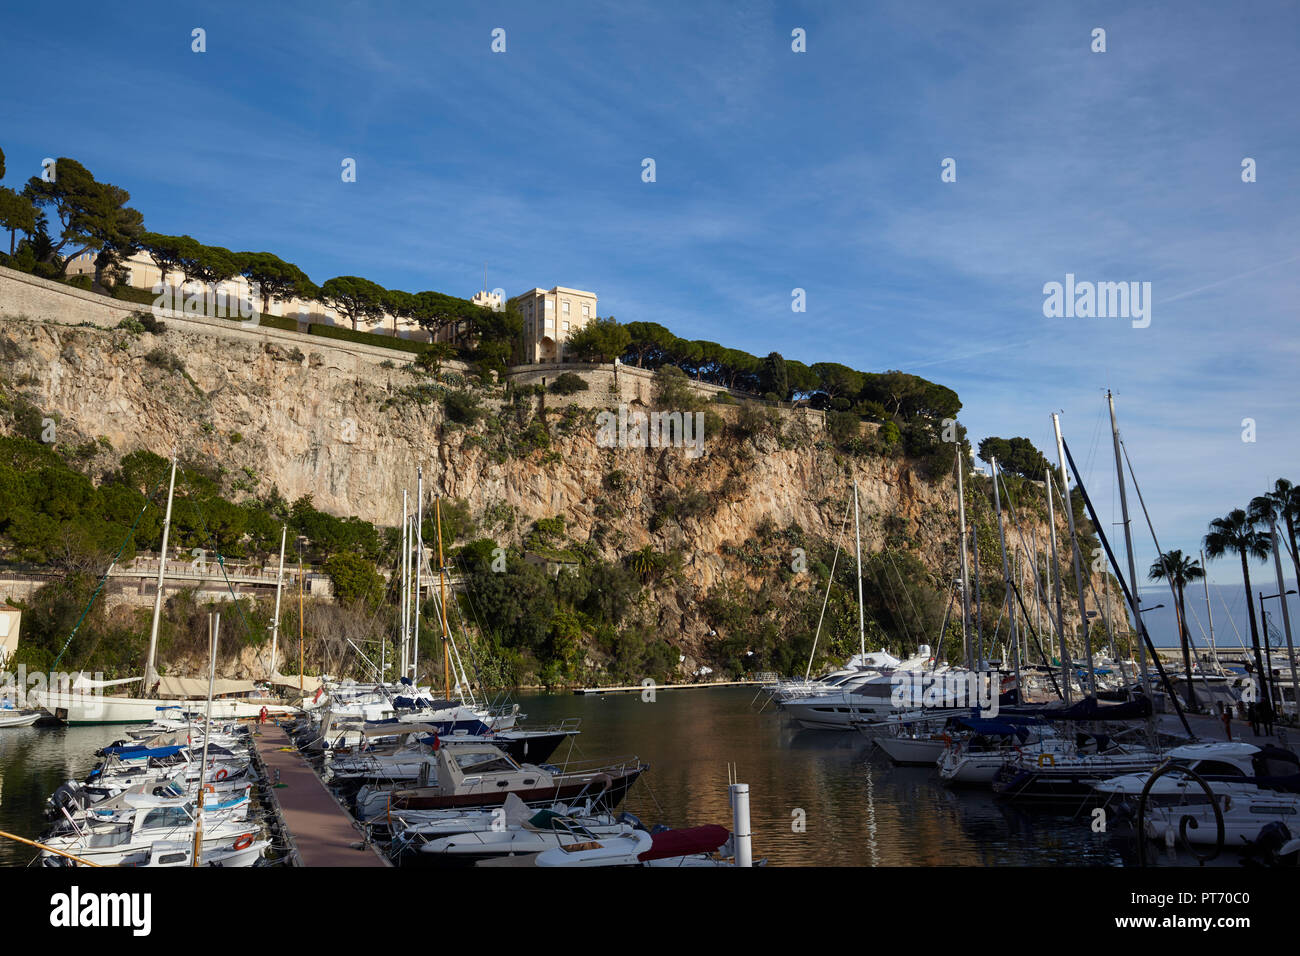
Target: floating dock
320	832
637	688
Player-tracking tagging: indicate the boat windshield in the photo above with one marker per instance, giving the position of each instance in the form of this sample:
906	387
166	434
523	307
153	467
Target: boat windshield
166	817
484	763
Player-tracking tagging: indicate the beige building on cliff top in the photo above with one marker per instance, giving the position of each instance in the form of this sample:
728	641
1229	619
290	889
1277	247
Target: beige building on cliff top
550	318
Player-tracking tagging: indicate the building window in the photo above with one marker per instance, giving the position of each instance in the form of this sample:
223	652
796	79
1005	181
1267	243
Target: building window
550	306
566	306
566	326
586	311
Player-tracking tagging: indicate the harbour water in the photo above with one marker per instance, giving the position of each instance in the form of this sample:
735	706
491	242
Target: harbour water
817	798
33	762
858	809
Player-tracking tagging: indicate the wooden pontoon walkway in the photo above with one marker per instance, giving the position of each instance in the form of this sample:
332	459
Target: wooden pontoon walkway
638	688
321	829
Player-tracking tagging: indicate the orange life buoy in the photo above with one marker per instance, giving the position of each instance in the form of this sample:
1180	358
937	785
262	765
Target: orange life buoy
220	774
244	842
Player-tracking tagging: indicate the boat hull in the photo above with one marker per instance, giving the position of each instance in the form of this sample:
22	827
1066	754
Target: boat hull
611	796
84	709
19	719
912	752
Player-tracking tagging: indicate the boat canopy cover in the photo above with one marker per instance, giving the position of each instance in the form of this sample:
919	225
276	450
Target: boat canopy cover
872	659
671	843
394	729
997	728
1276	769
309	684
197	687
423	703
150	752
83	682
1091	709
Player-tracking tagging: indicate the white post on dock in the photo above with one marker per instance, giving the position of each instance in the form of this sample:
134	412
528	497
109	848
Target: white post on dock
740	832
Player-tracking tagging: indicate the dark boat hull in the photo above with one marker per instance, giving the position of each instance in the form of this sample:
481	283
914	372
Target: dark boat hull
522	746
612	795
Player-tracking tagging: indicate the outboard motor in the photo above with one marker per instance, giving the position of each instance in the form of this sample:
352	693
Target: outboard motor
1272	847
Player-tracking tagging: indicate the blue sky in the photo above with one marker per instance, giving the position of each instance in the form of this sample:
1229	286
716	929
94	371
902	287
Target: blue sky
775	170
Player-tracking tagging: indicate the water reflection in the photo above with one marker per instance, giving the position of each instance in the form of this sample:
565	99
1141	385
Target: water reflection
858	809
33	762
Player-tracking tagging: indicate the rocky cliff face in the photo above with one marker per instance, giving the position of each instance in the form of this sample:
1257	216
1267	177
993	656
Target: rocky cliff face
308	423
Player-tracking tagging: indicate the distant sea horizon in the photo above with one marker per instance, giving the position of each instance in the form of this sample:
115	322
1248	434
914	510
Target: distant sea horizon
1228	606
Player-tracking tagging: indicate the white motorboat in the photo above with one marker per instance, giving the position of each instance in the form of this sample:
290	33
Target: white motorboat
109	844
10	717
873	696
515	830
1245	811
1226	766
914	750
694	846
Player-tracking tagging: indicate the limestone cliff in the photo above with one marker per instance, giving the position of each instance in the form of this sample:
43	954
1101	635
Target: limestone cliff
312	421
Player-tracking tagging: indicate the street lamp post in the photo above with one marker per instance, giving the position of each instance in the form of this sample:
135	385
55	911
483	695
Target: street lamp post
1267	676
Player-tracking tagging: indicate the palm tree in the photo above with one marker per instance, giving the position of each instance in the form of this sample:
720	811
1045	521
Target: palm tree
1281	505
1180	570
1237	533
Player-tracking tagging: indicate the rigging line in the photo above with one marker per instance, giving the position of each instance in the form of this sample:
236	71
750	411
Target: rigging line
464	632
1241	641
907	594
468	589
1093	445
1015	587
998	629
1165	566
112	564
1024	547
1051	671
1128	595
221	563
830	581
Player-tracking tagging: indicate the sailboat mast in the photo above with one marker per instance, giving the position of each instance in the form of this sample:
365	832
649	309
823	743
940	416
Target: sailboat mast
302	653
419	561
1128	545
1110	633
406	584
442	600
150	665
1091	686
214	629
979	621
279	584
965	575
1209	612
1060	603
857	536
1006	575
